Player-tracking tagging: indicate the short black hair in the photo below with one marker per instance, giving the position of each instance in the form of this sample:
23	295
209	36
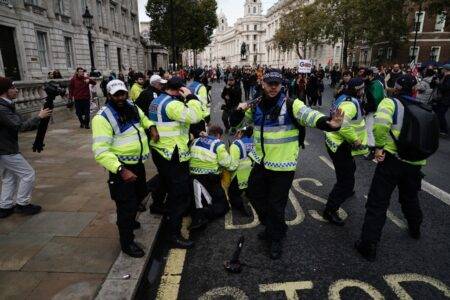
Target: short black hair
80	68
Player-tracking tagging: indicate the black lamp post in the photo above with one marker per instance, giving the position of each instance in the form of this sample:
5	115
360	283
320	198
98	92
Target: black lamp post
87	20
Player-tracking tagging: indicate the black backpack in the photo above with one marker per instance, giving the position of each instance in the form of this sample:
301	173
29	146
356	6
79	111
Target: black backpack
419	135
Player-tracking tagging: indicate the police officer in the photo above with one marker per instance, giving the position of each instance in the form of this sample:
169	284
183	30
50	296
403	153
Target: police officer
208	156
391	172
343	145
276	138
242	165
173	111
120	145
198	89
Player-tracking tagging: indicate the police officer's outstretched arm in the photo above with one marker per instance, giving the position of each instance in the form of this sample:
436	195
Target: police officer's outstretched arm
235	155
102	138
347	131
309	117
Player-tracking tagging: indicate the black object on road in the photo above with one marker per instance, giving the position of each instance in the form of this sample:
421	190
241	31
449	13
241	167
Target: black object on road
52	89
234	265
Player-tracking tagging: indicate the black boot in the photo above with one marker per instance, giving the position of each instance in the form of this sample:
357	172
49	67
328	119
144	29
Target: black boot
276	248
158	209
332	217
136	225
366	249
414	231
6	212
29	209
198	223
177	241
133	250
141	207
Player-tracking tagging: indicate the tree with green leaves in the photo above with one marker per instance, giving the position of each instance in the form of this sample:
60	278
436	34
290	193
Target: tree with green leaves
193	20
299	28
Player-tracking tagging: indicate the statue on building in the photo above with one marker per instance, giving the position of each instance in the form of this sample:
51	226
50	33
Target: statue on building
244	50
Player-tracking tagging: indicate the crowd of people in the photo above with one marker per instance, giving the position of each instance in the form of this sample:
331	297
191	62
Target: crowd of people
166	116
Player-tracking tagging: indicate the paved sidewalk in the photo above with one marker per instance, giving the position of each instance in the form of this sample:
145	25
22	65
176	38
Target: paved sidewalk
67	250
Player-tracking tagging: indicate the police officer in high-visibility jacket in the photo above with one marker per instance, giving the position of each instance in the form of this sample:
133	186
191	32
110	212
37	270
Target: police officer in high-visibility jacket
391	172
209	157
242	166
343	145
276	151
121	146
198	89
173	111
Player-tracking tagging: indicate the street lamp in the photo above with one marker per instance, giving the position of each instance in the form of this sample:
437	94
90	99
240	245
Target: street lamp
87	20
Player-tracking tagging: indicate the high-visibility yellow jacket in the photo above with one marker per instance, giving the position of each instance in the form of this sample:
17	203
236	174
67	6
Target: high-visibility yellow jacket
241	162
208	155
201	92
353	127
276	140
135	91
385	122
116	142
172	118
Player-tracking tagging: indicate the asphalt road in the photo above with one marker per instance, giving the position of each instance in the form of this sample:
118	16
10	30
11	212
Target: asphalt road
318	261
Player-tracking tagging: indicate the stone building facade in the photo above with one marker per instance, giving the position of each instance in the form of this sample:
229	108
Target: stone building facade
155	55
257	31
39	36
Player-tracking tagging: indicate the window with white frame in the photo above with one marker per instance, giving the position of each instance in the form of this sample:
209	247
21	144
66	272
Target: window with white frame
107	59
419	17
69	52
133	24
435	53
440	22
124	21
42	48
414	53
59	9
389	53
83	5
100	12
112	12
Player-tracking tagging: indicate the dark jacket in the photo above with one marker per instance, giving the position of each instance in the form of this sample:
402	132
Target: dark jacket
10	125
146	97
444	91
235	95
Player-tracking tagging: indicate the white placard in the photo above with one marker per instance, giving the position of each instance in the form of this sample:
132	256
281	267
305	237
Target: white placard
304	66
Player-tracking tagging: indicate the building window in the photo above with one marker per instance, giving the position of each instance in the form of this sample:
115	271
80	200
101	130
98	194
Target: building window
254	37
129	57
254	10
83	5
59	9
389	53
254	48
380	52
124	21
100	13
255	27
418	21
69	52
133	25
32	2
414	53
248	27
42	48
435	53
112	11
107	60
440	22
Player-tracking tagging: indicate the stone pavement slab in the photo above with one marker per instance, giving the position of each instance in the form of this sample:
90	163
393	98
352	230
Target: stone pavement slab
75	254
57	223
18	285
17	249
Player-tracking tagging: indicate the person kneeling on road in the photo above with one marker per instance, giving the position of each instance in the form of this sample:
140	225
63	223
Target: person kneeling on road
120	145
343	145
208	156
242	165
17	174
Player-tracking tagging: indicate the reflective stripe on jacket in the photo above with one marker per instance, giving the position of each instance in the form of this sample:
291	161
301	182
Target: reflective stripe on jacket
241	162
201	92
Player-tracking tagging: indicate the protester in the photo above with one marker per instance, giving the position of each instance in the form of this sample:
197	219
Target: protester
79	91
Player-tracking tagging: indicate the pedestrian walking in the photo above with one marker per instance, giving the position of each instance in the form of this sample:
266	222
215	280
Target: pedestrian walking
232	95
79	91
442	101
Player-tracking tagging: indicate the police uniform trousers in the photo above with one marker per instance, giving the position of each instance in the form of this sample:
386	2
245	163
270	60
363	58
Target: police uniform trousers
389	174
209	196
175	179
235	194
157	189
127	196
345	167
268	192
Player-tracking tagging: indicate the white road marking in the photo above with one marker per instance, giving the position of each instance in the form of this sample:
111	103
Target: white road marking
436	192
289	288
394	281
337	286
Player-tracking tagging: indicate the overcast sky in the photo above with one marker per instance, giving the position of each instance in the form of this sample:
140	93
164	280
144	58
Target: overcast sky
233	9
